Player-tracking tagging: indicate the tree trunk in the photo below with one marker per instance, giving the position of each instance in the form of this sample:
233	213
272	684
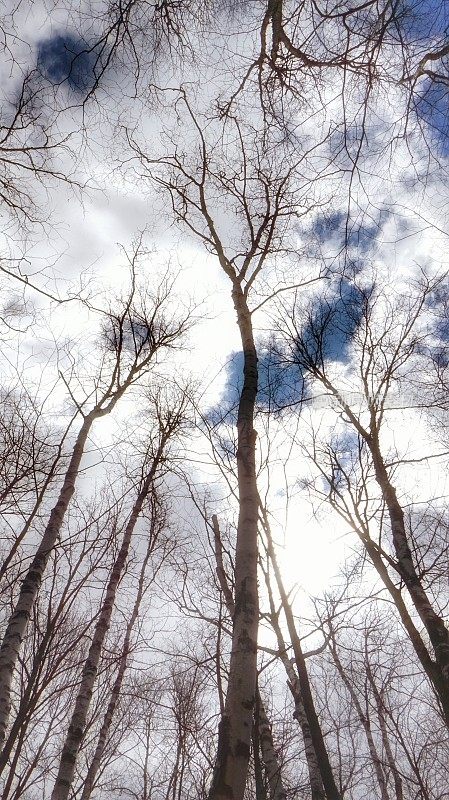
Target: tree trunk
397	780
269	755
365	723
429	666
92	772
8	559
77	725
261	790
316	734
263	728
316	784
234	735
435	626
15	631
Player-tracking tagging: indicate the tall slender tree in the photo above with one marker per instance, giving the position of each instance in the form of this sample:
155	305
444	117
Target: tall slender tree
260	191
132	337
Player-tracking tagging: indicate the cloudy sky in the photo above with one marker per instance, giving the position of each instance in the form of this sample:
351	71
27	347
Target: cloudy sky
391	218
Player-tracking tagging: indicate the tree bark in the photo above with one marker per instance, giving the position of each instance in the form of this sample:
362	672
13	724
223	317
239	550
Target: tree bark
269	755
15	631
92	772
429	666
261	789
365	723
263	735
397	780
77	725
234	735
316	734
434	624
316	784
51	473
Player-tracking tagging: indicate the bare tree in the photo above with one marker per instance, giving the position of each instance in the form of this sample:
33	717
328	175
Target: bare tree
168	422
55	640
132	338
31	455
320	769
189	187
262	732
287	128
364	719
388	334
157	523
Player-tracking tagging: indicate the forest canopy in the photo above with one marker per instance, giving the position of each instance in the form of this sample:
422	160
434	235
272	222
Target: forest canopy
224	432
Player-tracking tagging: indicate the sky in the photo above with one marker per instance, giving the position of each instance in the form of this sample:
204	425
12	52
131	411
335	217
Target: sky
380	221
392	226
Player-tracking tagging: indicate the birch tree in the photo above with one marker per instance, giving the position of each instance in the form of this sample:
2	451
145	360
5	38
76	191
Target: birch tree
132	337
168	421
264	735
55	639
262	196
322	780
388	335
95	763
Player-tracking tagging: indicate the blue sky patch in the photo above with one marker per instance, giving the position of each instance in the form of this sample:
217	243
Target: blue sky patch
432	107
67	58
332	325
280	384
327	336
361	236
424	19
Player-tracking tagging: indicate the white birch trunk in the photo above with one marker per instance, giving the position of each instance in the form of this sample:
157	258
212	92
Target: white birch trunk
270	757
314	728
15	631
77	725
95	764
397	780
364	721
313	767
434	624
